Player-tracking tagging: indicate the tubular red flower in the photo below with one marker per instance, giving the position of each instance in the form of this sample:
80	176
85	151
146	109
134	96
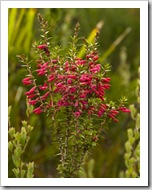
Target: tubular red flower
37	110
31	91
96	57
106	86
96	68
45	96
27	81
104	80
44	87
89	56
43	46
54	60
51	78
33	102
31	96
40	72
111	116
113	112
77	114
124	109
72	76
81	62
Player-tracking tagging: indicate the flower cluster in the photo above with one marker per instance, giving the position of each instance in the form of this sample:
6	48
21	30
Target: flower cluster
75	81
71	90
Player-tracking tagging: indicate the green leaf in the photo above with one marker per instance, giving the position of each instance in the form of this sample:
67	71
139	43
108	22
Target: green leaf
18	151
16	172
17	136
30	170
23	173
16	160
29	128
24	123
10	146
23	136
127	156
11	132
130	133
133	111
128	146
138	121
132	140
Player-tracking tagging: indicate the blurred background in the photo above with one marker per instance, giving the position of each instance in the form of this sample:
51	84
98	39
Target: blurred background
119	45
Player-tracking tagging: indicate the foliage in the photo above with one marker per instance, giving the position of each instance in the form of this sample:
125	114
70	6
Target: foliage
132	145
17	145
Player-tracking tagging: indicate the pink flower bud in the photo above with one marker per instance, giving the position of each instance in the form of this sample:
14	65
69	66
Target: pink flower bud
40	72
96	57
30	91
51	78
54	60
72	76
77	114
104	80
45	96
27	81
96	68
37	110
111	116
33	102
106	86
124	109
44	87
43	46
31	96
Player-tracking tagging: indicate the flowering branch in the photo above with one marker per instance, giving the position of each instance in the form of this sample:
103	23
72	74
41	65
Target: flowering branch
71	91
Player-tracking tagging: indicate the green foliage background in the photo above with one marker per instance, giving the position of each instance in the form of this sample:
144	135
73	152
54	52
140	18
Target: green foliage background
23	30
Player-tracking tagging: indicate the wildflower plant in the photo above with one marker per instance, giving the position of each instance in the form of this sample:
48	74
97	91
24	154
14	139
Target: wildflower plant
70	90
17	144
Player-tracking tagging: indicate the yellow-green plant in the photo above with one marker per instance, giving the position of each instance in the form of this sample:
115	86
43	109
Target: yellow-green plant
17	145
132	146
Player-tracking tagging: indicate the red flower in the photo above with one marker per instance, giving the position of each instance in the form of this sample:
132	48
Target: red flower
111	115
89	56
106	86
51	78
45	96
81	62
104	80
96	68
44	87
95	57
77	114
54	60
30	91
41	72
27	81
31	96
124	109
43	46
33	102
37	110
72	76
